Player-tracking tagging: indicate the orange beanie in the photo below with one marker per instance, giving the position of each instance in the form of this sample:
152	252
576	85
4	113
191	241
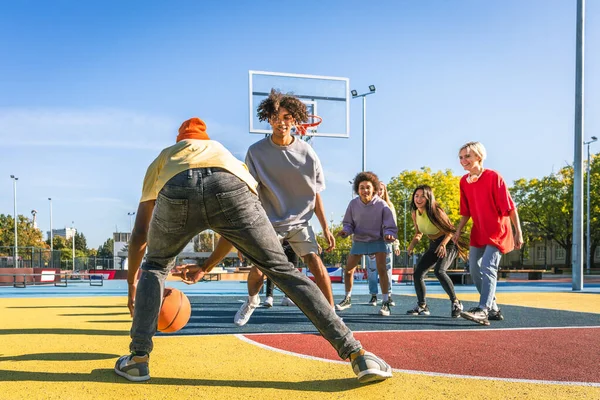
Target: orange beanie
193	128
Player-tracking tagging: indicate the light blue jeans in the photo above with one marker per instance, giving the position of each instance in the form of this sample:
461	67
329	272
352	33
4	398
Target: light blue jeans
372	270
213	198
483	264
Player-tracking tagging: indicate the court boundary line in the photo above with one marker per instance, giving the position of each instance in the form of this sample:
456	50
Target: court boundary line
475	329
243	338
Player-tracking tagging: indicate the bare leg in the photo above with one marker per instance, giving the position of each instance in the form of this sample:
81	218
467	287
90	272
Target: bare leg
349	272
316	267
255	281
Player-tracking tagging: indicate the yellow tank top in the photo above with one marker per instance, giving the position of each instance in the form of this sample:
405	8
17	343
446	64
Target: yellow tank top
426	227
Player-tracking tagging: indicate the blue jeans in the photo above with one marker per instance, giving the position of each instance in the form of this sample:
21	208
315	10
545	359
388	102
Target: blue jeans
213	198
483	264
372	274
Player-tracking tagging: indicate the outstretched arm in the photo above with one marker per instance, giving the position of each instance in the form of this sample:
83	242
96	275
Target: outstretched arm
192	273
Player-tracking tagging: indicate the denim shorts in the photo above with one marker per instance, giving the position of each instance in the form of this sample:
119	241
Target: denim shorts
360	248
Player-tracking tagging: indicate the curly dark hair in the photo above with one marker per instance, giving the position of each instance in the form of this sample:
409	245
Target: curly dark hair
270	106
366	176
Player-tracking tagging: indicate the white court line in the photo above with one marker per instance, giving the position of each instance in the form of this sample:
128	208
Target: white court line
244	338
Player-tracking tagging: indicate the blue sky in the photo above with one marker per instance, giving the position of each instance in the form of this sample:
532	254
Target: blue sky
91	91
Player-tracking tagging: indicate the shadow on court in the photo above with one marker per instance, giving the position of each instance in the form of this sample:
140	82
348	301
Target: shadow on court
108	376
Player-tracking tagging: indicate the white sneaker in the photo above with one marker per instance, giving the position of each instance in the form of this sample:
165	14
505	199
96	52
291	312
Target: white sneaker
286	301
268	302
244	313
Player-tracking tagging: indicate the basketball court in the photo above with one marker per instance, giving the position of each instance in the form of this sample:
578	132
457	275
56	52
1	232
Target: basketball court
62	343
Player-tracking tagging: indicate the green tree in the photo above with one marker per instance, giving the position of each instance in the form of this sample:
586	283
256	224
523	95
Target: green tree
203	242
445	187
106	250
546	208
342	246
28	235
81	242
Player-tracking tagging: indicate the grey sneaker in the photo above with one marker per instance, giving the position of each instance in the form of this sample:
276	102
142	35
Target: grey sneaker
346	303
244	313
419	310
476	315
373	301
370	368
385	309
495	315
457	307
132	367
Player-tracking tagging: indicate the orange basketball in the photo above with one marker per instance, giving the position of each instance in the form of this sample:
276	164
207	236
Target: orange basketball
175	311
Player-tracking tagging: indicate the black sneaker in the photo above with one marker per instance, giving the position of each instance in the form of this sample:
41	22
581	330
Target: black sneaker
385	309
457	307
370	368
476	315
132	367
495	315
391	301
346	303
373	301
419	310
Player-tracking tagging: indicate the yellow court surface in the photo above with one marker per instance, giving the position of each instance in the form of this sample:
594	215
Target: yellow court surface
65	348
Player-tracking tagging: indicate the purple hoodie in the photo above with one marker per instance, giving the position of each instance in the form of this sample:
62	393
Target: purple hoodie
369	222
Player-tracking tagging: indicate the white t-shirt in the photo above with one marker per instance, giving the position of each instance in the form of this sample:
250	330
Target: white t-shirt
289	177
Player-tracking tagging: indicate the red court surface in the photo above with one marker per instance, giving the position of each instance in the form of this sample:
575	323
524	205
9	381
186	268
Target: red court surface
565	355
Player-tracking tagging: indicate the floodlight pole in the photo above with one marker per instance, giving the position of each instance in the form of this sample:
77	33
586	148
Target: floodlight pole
364	112
131	214
588	239
364	147
51	236
15	255
73	227
577	246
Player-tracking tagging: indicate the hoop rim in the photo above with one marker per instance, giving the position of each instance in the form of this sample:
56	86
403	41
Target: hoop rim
311	124
302	127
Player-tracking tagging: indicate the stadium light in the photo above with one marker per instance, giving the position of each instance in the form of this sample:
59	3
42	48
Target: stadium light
15	255
588	241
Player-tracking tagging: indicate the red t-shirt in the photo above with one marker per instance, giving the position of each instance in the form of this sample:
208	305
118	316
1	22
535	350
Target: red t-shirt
488	203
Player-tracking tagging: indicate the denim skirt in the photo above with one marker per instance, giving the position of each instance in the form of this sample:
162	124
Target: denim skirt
360	248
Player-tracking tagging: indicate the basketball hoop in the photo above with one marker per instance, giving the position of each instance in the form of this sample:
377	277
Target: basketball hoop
309	127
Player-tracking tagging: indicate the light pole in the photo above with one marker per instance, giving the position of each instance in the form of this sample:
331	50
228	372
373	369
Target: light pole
588	242
15	255
131	214
364	155
73	227
364	97
51	236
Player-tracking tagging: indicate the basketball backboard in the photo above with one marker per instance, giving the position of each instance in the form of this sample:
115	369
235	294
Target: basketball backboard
325	96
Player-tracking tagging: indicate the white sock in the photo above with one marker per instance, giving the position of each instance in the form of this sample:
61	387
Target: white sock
254	299
386	297
349	294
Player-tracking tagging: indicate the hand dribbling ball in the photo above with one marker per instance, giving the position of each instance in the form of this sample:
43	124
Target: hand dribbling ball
175	311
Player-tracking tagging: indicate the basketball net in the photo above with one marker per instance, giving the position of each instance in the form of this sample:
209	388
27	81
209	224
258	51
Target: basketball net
307	129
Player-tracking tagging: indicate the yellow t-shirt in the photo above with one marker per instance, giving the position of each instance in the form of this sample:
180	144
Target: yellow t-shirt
187	154
425	225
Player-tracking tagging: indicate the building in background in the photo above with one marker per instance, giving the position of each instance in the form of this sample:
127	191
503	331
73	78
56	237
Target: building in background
67	233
